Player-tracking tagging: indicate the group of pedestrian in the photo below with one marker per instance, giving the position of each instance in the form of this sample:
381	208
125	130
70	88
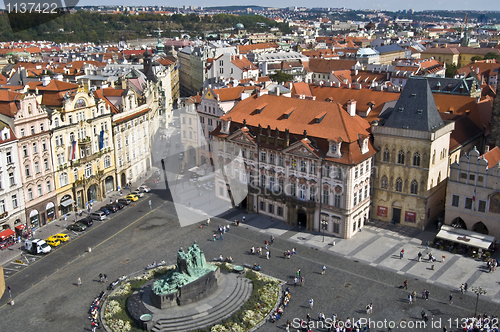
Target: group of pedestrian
104	277
276	315
492	265
221	230
464	287
289	253
369	308
298	278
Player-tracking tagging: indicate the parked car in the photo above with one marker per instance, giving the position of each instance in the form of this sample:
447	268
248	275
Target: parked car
118	205
132	197
111	208
86	221
98	215
77	227
106	211
124	201
60	236
181	155
138	193
145	189
52	242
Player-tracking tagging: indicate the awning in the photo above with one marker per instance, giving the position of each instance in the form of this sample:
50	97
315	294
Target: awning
67	202
6	234
462	236
20	227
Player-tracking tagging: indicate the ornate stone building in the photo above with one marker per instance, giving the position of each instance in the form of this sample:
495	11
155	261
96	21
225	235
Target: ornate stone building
412	163
305	162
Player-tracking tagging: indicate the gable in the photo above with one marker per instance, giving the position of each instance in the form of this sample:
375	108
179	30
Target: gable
241	137
301	150
209	95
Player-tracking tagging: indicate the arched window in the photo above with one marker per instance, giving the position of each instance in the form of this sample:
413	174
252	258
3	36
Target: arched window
71	137
386	155
75	173
56	122
416	159
434	158
63	179
414	187
399	185
401	157
383	182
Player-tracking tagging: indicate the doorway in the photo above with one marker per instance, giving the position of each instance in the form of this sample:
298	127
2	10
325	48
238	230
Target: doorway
396	215
92	193
301	218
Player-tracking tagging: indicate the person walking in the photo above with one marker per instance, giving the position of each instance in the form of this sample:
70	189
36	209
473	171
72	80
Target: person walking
405	284
100	277
272	239
220	237
298	273
410	298
367	308
311	303
401	253
79	282
295	281
442	258
451	298
215	237
427	294
465	287
208	222
462	288
105	277
243	219
267	254
371	308
419	256
323	269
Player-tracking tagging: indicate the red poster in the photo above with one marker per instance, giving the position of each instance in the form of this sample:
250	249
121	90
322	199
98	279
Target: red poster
381	211
410	216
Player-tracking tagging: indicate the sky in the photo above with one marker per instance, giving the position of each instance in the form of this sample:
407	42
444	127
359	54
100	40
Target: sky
353	4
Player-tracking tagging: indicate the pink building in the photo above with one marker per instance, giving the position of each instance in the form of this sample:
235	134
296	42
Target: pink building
32	128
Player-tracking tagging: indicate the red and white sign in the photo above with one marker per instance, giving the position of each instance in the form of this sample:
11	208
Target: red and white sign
410	216
382	211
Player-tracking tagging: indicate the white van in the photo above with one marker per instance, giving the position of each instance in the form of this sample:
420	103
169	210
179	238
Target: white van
98	215
36	246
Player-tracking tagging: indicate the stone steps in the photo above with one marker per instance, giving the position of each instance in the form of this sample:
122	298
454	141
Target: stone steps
237	297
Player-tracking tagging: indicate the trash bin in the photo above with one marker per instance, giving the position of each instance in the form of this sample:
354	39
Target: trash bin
146	322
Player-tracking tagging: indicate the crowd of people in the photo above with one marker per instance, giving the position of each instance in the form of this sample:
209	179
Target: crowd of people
276	315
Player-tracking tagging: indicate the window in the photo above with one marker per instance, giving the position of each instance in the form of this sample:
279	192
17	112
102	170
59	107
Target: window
35	150
271	159
482	206
37	167
399	185
63	179
356	171
39	189
302	191
32	129
336	227
293	164
414	187
360	193
480	178
271	182
30	194
12	179
270	208
401	157
338	173
44	146
434	158
367	166
383	182
354	226
75	174
280	161
263	156
326	196
280	185
25	150
22	132
355	200
455	200
416	159
334	148
292	189
312	194
386	156
463	176
88	170
107	161
468	203
280	211
326	171
312	168
472	177
366	191
14	201
361	169
27	170
2	206
8	157
336	200
303	166
41	127
262	180
249	157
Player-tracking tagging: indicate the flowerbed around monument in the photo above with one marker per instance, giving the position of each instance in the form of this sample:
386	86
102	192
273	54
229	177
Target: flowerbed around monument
265	294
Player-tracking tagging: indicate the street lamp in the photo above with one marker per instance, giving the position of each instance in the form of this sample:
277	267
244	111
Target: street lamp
324	226
479	291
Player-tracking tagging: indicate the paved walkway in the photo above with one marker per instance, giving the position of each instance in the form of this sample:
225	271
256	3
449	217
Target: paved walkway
57	225
379	244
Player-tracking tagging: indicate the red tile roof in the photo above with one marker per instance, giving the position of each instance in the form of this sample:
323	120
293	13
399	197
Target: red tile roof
227	94
327	66
493	156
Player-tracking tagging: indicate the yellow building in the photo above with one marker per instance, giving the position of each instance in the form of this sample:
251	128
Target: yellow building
448	55
412	164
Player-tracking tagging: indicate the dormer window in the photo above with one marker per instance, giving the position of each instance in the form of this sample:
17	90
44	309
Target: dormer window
364	147
334	150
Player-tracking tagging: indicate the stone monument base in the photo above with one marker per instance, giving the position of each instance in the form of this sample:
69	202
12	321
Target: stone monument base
189	293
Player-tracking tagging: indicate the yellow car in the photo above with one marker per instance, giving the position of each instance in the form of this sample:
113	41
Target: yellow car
133	198
52	242
60	236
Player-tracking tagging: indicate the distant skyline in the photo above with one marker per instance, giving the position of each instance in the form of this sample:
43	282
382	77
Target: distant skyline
393	5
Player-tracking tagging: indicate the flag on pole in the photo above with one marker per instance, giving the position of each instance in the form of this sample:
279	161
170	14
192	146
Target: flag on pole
72	152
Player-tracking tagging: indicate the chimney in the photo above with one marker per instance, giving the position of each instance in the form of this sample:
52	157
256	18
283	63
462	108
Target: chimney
58	77
45	80
351	107
358	86
278	91
477	70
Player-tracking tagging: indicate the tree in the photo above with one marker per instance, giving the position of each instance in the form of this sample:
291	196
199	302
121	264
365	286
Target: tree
476	58
451	70
491	55
281	77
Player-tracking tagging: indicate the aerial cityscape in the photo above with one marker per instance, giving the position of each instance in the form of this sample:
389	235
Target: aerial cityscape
221	166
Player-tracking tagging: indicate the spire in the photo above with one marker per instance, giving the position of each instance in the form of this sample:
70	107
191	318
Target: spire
160	48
